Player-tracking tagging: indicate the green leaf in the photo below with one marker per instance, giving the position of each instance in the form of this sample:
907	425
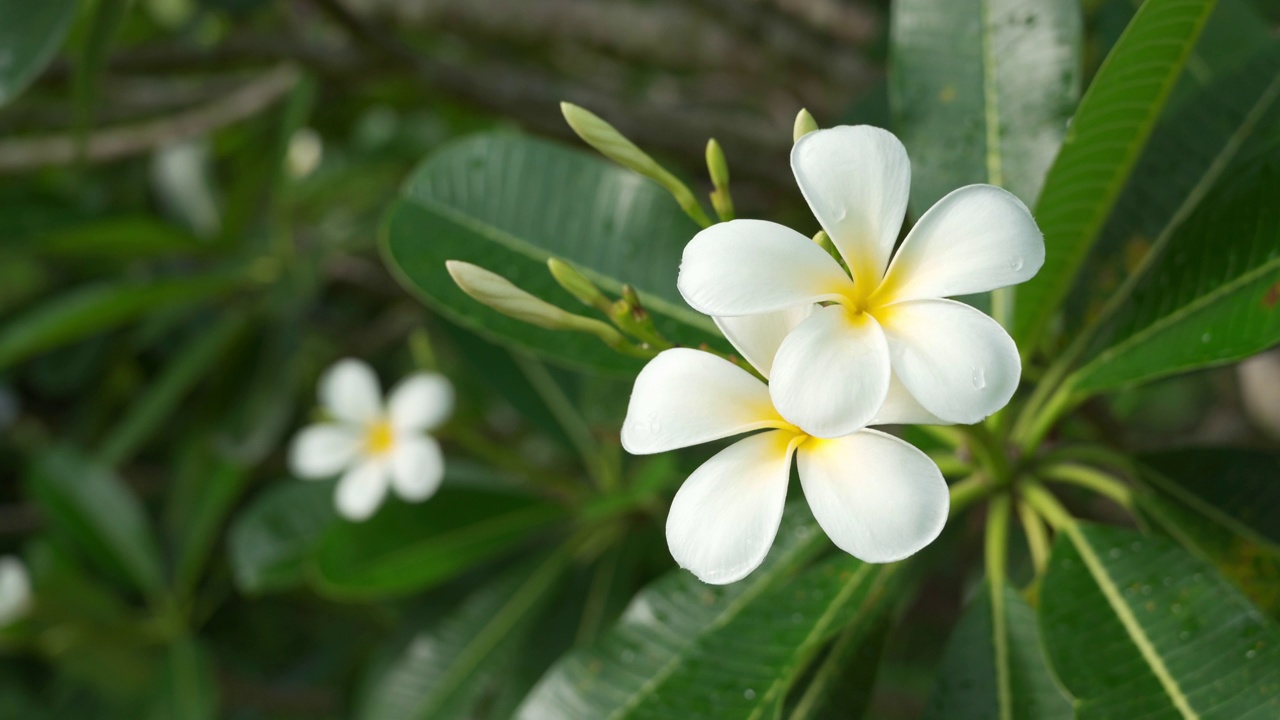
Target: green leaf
1194	146
843	683
97	513
507	203
30	35
150	410
127	238
966	685
206	488
1212	297
271	541
687	649
982	91
409	547
1234	487
93	309
1134	626
442	672
104	21
1222	504
188	688
1102	145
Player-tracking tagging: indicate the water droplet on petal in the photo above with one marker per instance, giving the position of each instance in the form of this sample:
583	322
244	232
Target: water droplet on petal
655	425
842	213
1015	263
979	378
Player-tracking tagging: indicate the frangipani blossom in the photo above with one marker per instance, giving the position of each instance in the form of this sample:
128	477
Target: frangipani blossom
375	446
882	320
878	497
15	590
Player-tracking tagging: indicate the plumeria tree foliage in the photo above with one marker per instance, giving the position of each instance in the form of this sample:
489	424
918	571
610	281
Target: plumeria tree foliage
646	451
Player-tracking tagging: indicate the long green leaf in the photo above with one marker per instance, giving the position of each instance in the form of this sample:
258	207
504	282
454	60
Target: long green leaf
89	505
30	35
966	686
843	683
151	409
408	547
205	489
1234	487
685	649
104	22
270	542
97	308
1195	145
442	672
1134	626
1212	297
1102	145
188	688
982	91
506	203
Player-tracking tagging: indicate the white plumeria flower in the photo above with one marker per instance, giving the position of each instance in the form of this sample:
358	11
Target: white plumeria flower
375	446
878	497
888	322
15	590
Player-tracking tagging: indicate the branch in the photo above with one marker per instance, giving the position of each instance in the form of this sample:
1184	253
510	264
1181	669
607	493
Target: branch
113	143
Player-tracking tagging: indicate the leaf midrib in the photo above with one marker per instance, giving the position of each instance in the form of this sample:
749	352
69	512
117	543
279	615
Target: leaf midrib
1129	621
731	611
1165	321
781	681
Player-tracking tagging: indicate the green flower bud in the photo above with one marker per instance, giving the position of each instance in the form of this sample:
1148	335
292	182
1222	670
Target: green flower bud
717	165
502	295
577	284
606	139
804	125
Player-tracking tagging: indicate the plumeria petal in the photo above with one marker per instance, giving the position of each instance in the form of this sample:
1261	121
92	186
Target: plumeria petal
975	239
361	489
831	374
323	450
955	360
744	267
758	337
856	180
685	397
900	408
725	516
417	467
350	391
420	402
877	497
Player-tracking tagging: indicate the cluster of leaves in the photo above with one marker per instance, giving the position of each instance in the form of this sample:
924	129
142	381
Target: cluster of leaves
160	364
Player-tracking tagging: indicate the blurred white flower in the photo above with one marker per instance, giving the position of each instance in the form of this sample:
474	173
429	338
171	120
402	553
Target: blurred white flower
375	446
15	590
878	498
888	322
306	149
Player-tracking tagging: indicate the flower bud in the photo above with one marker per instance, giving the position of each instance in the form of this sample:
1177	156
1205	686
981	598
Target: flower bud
606	139
502	295
718	167
804	125
577	284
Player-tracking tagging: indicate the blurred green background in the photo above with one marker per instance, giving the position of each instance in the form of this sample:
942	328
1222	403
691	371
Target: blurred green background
190	200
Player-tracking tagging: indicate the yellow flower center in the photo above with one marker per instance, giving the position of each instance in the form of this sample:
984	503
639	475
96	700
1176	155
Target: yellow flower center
378	438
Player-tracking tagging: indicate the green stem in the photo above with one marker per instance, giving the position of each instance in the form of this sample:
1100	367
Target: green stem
1037	536
1031	428
1091	479
575	426
1047	505
949	464
968	491
997	551
988	452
